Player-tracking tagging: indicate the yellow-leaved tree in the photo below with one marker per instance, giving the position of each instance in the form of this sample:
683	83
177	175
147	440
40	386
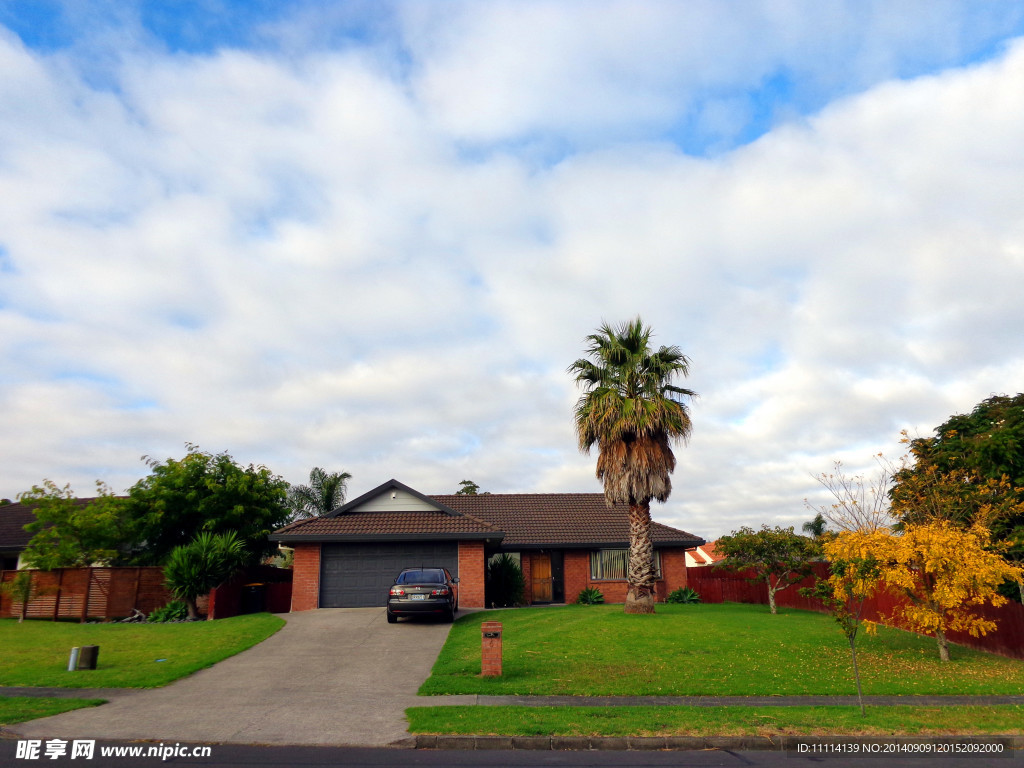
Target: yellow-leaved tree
945	571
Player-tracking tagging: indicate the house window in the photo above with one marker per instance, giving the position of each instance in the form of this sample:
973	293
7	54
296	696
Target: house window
610	564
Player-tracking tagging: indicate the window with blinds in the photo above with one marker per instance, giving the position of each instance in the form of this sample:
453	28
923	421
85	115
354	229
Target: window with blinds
610	564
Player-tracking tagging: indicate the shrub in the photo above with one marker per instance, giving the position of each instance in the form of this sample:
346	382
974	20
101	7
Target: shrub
590	596
198	567
505	586
684	595
173	611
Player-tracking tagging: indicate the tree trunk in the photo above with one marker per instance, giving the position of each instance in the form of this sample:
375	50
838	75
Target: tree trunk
640	568
940	636
193	609
771	595
856	672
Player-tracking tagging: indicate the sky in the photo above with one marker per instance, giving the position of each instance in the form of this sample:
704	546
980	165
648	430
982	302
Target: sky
372	236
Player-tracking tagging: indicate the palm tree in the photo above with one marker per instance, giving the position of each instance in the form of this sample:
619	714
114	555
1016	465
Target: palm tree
632	412
325	493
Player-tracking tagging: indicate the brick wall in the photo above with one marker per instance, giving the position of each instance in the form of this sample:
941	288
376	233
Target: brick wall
471	574
306	577
576	573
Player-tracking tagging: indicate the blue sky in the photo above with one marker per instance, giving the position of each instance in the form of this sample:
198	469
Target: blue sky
372	236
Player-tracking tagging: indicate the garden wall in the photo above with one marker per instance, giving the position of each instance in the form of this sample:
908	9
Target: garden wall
720	586
89	593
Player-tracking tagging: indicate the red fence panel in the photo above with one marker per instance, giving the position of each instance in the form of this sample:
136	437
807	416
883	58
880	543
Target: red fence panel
718	586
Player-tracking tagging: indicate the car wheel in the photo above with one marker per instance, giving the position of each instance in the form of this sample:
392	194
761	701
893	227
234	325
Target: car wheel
451	614
392	619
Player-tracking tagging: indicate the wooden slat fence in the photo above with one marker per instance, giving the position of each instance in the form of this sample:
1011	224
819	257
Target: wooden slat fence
89	593
720	586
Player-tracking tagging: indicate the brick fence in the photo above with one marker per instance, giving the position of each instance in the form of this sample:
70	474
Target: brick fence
89	593
720	586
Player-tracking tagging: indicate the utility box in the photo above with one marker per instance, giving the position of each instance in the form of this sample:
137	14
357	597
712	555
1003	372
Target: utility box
88	656
490	649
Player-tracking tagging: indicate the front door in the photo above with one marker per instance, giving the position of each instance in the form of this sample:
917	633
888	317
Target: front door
540	568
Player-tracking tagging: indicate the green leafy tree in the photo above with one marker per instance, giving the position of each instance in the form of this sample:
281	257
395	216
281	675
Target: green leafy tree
632	412
851	582
325	493
205	492
199	566
69	534
776	556
469	488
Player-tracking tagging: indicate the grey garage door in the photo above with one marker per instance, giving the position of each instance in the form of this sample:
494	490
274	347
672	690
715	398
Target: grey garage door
358	575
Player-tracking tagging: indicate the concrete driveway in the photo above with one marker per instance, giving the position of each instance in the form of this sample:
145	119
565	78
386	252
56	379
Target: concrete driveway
340	676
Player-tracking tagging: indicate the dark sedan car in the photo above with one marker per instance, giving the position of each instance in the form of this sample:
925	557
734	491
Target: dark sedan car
423	592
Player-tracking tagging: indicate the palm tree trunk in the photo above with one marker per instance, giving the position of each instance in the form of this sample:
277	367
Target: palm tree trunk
640	569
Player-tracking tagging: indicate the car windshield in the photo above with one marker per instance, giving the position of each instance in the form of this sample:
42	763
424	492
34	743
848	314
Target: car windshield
420	577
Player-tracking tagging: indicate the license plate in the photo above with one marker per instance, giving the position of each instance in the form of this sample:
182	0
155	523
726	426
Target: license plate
417	597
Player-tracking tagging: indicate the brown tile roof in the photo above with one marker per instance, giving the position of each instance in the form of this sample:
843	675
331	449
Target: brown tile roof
388	525
562	519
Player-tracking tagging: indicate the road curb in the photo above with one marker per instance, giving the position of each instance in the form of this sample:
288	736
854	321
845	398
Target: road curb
778	743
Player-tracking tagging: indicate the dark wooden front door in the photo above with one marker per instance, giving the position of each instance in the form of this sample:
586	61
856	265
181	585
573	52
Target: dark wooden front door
540	569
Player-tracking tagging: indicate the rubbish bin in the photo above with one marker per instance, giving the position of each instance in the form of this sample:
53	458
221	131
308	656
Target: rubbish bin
88	656
254	598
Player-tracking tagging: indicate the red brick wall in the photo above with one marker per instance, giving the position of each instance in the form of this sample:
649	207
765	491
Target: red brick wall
576	573
673	571
471	574
577	576
306	577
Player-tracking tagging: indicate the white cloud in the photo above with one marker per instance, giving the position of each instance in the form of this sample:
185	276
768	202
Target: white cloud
298	260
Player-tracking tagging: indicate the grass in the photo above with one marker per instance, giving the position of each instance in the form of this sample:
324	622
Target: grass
17	709
715	649
35	653
719	721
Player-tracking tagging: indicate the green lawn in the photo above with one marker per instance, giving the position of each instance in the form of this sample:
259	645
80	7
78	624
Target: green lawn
35	653
17	709
718	721
715	649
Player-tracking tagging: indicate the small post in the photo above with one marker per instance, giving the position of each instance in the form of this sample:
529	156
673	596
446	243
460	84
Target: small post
73	661
490	649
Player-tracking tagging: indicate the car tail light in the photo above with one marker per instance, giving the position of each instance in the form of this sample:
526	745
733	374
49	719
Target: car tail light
397	592
441	591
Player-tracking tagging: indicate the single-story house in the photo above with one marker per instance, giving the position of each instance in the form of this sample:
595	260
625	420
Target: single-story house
565	542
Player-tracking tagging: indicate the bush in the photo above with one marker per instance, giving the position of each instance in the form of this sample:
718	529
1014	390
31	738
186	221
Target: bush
173	611
684	595
505	586
590	596
196	568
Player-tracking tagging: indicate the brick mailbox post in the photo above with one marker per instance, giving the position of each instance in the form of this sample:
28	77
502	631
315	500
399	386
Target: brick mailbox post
490	649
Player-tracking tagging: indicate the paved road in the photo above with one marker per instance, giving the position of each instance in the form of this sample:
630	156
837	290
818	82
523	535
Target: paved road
333	676
233	756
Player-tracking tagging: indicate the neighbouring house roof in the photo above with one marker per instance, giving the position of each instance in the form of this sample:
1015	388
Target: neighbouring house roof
706	554
407	515
393	511
13	519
